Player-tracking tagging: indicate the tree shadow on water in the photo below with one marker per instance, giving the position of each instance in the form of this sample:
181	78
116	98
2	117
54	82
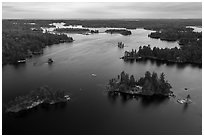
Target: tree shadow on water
48	107
158	63
131	61
144	100
152	100
185	107
125	98
112	96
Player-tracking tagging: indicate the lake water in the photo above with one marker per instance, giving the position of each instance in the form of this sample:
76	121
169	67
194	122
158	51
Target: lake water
195	28
91	110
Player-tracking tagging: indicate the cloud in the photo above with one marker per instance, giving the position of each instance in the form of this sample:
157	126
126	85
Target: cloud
102	10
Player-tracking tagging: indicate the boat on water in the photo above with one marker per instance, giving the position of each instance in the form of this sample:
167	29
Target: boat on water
184	101
22	61
94	75
50	60
187	100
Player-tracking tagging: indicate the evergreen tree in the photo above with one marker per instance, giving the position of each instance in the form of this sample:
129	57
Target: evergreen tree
148	75
132	81
122	77
127	79
155	83
162	77
118	77
147	88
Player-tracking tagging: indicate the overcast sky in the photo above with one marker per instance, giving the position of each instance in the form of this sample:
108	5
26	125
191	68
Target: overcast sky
51	10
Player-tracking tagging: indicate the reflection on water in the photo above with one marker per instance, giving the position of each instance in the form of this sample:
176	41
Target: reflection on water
145	101
185	107
42	107
169	64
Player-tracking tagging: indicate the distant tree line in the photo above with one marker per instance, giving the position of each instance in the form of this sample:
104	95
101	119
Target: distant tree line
149	24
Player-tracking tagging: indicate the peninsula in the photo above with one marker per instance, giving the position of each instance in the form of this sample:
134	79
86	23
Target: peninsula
190	54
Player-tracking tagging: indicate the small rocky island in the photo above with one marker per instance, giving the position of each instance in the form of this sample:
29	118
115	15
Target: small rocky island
120	31
42	95
148	85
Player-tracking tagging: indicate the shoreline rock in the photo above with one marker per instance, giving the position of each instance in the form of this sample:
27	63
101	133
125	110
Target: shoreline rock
42	95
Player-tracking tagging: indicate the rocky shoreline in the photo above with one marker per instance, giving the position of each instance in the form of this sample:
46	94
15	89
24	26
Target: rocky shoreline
42	95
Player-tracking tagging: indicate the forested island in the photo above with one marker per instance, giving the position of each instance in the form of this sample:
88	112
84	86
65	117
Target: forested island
186	54
183	35
73	30
19	41
148	85
76	30
120	31
41	95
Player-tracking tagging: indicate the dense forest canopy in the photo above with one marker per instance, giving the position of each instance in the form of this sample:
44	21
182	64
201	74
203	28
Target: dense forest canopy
19	41
120	31
151	84
73	30
185	54
190	50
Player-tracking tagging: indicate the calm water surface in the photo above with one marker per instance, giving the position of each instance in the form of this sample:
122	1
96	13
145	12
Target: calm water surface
91	110
195	28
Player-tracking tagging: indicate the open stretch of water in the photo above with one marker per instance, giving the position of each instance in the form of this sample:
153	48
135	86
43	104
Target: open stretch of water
195	28
91	110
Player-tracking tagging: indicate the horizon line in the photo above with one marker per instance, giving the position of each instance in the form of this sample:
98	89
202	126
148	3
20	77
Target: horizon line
93	18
